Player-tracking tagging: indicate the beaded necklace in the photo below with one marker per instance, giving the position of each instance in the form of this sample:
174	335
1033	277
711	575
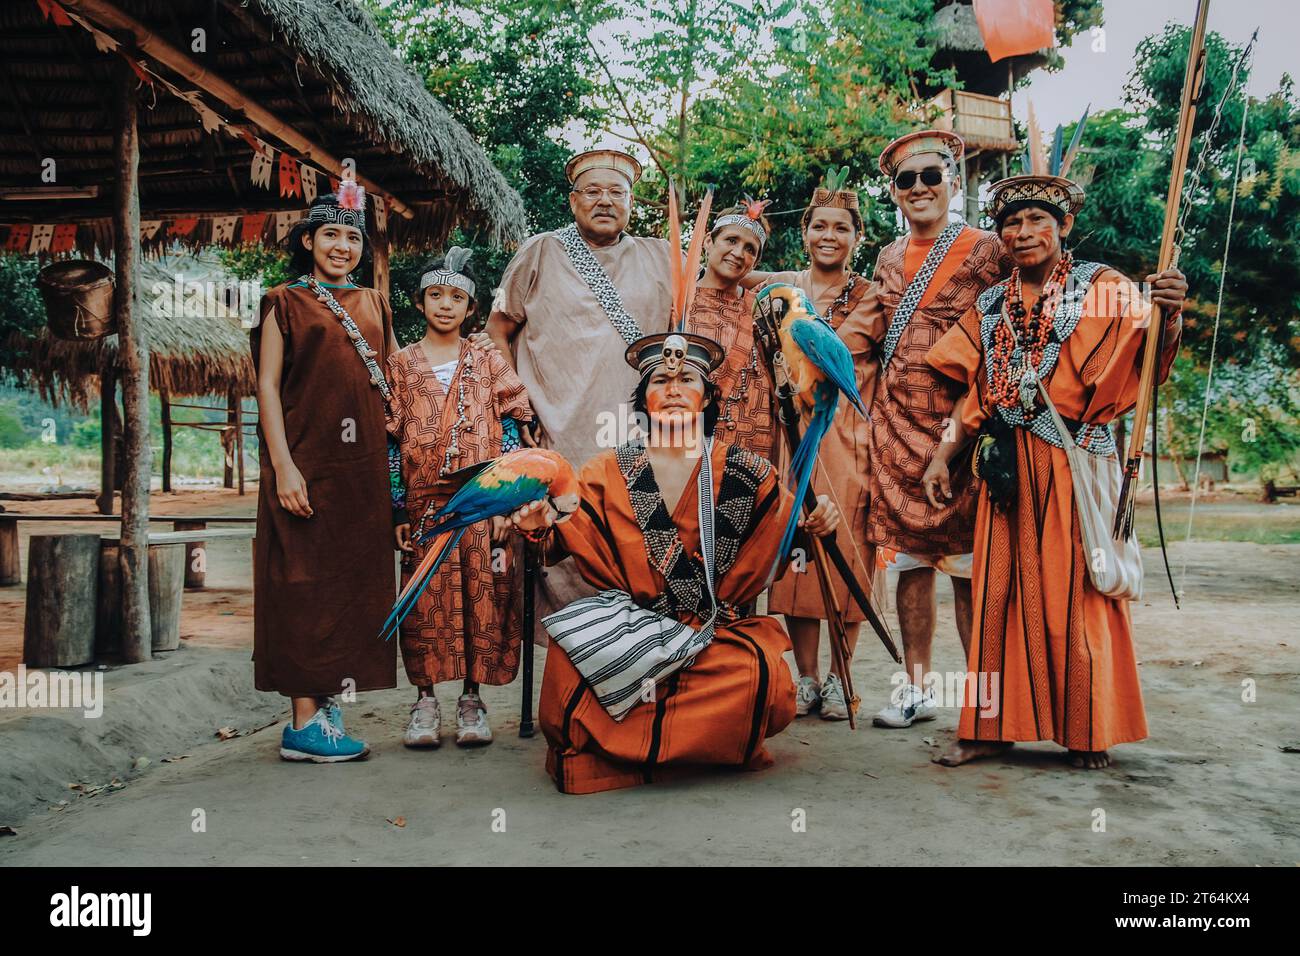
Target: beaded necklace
1019	340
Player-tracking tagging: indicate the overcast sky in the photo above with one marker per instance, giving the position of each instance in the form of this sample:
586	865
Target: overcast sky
1098	77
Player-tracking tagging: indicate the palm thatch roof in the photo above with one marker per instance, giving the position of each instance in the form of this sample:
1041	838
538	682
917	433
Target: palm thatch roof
200	348
320	66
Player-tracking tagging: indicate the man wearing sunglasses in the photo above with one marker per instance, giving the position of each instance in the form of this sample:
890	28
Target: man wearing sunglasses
923	283
569	304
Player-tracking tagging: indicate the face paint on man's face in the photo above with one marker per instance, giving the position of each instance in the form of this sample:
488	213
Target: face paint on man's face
677	396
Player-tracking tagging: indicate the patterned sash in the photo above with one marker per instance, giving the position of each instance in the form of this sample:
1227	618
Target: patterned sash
592	273
350	327
1093	438
915	290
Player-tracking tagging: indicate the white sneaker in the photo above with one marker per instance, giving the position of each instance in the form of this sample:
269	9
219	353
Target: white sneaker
807	696
425	725
833	704
471	721
907	706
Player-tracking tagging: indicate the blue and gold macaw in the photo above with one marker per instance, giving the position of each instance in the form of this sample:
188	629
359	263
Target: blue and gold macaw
820	367
496	488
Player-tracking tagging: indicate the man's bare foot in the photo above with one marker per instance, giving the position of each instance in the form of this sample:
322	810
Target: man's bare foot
964	751
1089	759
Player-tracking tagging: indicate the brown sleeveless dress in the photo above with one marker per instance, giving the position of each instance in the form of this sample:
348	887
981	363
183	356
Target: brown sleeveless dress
323	585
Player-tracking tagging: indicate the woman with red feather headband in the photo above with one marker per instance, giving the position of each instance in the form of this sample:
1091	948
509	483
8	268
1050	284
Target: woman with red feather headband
323	559
832	228
724	311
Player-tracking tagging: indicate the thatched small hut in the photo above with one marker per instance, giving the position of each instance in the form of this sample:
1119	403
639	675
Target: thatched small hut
127	124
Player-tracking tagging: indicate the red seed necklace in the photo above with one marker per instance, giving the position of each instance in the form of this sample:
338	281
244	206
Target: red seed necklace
1027	332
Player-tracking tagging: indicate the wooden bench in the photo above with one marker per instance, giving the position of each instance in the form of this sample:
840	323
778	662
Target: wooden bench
11	568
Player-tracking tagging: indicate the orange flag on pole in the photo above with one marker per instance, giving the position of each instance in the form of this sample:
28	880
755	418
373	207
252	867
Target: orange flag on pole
1015	27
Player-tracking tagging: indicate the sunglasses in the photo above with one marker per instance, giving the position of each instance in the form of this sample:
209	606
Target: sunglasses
930	177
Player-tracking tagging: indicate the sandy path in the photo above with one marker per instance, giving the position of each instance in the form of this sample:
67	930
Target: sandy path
1210	786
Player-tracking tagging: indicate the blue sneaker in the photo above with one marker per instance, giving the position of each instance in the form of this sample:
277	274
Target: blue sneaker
320	742
334	712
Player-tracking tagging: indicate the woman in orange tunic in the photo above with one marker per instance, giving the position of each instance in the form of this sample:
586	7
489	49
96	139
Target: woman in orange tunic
638	532
1051	658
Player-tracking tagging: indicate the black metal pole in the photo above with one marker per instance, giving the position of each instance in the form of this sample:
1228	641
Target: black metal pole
526	649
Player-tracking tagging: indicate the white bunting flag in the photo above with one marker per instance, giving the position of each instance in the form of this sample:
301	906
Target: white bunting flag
283	223
308	183
149	227
42	233
223	228
381	214
263	161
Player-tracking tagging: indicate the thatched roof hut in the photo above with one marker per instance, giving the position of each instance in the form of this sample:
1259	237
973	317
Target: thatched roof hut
961	46
314	79
200	348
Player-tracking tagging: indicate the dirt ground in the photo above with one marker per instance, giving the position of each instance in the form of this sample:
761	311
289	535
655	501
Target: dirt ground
1212	784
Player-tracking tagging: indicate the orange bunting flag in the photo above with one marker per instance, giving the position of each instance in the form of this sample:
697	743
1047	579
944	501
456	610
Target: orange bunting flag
250	230
1015	27
54	12
290	178
65	237
182	227
20	237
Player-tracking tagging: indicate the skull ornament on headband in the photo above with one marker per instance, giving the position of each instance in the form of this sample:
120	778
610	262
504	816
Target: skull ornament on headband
674	352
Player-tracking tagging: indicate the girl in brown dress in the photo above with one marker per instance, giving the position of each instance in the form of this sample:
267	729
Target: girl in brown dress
454	405
323	562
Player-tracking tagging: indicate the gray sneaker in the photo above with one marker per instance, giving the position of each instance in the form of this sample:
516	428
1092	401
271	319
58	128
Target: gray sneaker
425	726
807	696
472	728
834	706
908	705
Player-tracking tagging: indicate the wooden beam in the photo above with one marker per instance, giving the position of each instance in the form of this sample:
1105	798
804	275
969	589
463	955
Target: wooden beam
165	409
109	17
133	357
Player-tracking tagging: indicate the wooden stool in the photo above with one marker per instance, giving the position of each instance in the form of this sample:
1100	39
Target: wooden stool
166	586
196	555
10	568
62	589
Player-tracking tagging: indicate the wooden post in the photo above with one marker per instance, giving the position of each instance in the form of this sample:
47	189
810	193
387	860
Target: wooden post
107	437
239	440
62	585
165	409
133	359
10	569
228	465
196	555
379	259
166	586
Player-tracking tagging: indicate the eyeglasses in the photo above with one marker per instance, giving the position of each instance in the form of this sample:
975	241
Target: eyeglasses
616	194
930	177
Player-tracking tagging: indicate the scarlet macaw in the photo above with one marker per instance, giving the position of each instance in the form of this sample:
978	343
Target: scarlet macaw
819	366
497	488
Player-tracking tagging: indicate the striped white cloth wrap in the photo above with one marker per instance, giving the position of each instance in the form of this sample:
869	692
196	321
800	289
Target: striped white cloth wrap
623	650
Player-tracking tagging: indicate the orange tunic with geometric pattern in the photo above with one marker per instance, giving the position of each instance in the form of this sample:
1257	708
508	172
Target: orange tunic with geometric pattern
734	694
745	415
912	403
1061	652
467	622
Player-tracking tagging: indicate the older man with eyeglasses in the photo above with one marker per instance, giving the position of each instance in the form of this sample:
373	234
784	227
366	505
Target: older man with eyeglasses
569	304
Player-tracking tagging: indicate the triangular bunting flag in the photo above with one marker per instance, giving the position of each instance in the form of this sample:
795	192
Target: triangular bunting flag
20	236
263	157
54	12
149	228
65	237
42	233
308	183
381	213
182	227
223	228
283	223
250	230
290	178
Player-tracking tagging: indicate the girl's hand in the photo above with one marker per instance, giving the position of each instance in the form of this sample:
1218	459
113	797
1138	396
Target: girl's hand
528	434
482	340
291	489
534	516
500	528
403	535
936	482
825	518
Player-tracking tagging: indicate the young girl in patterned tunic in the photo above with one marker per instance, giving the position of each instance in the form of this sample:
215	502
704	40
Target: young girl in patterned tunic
454	405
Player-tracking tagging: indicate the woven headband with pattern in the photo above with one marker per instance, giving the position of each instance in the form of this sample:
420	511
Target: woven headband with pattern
337	215
740	219
451	272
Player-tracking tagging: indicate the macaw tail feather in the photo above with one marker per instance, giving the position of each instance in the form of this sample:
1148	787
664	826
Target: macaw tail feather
439	548
801	472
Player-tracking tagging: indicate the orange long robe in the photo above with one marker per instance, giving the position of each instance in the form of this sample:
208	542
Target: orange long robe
466	623
1061	651
735	693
